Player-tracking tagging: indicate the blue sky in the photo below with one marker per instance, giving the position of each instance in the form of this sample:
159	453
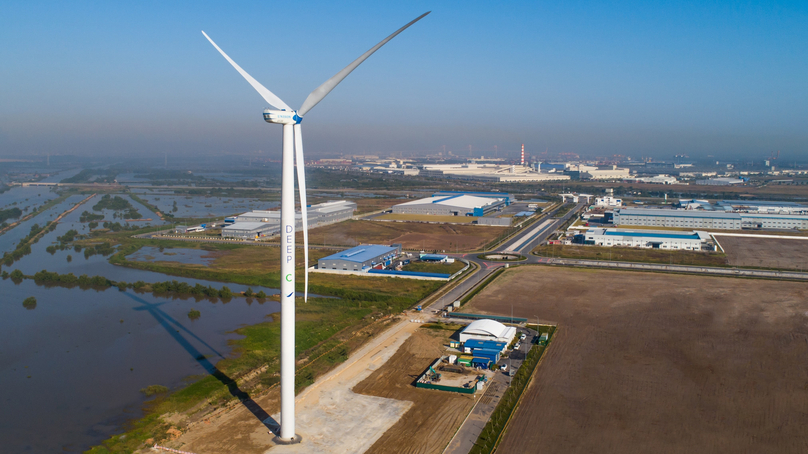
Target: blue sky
594	78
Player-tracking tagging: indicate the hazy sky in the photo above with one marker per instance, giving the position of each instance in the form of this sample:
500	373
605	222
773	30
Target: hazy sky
635	78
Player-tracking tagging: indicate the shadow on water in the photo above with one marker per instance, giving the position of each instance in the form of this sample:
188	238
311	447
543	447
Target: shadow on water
169	323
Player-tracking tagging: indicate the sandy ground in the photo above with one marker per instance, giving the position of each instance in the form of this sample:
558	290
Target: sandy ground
766	252
648	362
330	417
434	416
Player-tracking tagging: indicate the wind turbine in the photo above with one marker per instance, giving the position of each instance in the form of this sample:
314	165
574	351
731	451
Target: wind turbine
293	153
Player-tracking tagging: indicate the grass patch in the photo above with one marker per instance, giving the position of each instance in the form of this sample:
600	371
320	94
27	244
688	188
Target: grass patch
624	254
433	267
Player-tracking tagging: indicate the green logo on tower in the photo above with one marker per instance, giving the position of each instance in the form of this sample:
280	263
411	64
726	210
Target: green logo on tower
288	278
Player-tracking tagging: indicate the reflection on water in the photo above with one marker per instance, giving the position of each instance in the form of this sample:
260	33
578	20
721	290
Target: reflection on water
201	207
72	368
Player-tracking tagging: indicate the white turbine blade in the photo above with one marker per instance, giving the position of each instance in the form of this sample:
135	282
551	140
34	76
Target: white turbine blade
320	92
268	96
301	186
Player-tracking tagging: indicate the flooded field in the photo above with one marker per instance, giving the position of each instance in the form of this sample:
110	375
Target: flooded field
187	256
74	365
21	197
200	206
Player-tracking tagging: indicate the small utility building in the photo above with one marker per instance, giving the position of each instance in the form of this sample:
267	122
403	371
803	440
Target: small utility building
487	329
360	258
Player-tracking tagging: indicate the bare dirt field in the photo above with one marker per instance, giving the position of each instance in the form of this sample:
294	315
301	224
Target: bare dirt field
646	362
765	252
412	235
434	416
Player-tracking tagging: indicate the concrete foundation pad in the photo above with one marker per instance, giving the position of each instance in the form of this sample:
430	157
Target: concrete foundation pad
332	419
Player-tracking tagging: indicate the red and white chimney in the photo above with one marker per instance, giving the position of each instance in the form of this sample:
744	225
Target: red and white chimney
523	155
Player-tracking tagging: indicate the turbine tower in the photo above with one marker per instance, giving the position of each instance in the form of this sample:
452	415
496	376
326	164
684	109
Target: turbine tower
293	154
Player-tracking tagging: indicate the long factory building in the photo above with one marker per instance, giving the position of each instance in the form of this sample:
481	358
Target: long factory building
453	205
697	219
690	241
259	223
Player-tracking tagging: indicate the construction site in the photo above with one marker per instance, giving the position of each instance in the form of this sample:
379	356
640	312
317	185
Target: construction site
447	374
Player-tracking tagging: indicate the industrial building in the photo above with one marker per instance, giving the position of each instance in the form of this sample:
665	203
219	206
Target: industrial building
698	219
693	241
453	205
487	329
678	218
247	225
490	172
361	258
586	172
762	207
510	198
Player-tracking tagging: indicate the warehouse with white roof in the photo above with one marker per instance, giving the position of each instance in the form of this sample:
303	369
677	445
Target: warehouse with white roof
487	329
452	205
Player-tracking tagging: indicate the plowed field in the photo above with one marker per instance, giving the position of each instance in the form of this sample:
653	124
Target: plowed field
411	235
766	252
435	415
660	363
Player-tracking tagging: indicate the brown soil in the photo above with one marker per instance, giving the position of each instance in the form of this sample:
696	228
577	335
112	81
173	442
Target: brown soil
412	235
659	363
435	415
766	252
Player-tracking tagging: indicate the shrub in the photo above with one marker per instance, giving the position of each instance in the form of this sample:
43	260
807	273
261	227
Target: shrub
29	303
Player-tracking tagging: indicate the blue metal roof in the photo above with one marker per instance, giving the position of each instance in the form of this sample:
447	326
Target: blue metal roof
362	253
679	236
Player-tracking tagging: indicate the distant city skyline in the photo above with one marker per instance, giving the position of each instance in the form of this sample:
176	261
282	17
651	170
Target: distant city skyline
628	78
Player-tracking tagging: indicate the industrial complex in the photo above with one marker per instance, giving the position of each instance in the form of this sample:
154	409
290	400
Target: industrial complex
453	205
700	219
693	241
256	224
360	258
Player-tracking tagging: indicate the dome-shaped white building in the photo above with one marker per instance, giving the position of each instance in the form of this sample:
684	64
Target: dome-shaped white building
487	329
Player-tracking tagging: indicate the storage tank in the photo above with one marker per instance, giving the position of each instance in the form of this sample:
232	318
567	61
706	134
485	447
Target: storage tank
452	359
456	304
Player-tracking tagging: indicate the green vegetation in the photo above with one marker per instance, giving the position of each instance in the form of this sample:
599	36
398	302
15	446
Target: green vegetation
85	176
505	257
497	423
116	204
87	216
152	207
24	246
626	254
434	267
154	389
11	213
563	210
480	287
194	314
29	303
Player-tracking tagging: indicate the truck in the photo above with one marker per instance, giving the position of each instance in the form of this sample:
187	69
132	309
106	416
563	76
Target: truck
418	308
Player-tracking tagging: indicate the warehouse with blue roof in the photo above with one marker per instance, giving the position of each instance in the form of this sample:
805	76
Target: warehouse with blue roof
360	258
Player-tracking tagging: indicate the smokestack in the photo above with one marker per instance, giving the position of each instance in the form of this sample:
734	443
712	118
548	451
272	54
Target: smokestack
523	155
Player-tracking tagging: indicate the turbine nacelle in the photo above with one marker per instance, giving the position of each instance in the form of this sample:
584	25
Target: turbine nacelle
282	117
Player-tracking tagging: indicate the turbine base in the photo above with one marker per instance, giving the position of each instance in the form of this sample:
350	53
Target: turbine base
285	441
